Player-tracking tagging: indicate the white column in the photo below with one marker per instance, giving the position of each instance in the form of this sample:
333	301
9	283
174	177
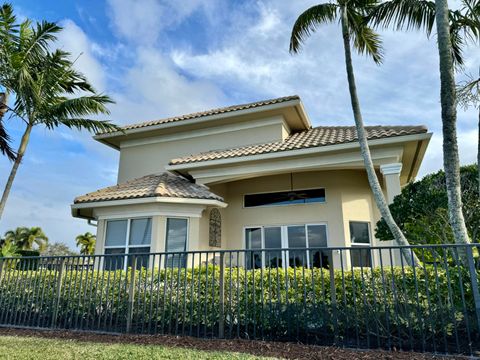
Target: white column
391	177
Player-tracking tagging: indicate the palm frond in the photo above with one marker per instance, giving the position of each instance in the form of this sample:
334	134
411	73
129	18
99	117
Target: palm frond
308	22
365	39
94	126
468	92
404	15
5	147
36	44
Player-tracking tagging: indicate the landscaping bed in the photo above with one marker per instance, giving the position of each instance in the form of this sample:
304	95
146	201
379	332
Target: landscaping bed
173	347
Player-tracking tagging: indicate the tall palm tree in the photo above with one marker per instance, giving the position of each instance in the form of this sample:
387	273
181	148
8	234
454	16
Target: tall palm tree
44	84
454	28
25	238
352	15
87	243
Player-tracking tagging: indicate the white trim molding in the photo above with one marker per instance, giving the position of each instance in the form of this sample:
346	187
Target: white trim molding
149	200
391	169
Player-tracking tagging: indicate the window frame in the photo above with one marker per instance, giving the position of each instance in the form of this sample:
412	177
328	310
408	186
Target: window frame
126	246
166	231
284	240
361	245
281	191
187	240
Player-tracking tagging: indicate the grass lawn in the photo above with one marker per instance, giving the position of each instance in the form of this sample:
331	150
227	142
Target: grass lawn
21	348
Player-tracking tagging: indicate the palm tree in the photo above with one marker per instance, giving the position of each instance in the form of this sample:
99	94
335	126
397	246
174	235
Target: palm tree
352	17
44	84
24	238
451	25
87	243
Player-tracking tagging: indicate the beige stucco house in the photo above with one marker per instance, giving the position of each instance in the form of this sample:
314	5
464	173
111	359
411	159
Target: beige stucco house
251	176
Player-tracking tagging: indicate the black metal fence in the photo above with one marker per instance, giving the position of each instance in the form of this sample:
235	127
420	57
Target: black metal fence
354	297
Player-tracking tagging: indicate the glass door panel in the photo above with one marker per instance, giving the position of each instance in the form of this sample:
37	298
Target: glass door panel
253	238
273	240
296	239
317	237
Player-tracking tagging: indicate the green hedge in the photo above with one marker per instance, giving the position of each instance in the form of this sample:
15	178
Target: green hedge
409	308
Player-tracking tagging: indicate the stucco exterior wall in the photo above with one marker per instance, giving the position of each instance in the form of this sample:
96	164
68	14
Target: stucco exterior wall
347	198
141	158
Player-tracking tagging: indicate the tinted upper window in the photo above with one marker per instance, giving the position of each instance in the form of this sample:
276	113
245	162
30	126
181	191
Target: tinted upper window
285	198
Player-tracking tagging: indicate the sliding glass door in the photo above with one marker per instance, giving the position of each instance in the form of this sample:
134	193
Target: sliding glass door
299	242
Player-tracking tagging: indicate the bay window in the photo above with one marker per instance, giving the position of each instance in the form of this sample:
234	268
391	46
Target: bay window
127	236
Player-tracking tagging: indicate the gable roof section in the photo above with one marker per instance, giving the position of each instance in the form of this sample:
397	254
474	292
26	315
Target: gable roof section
315	137
157	185
217	111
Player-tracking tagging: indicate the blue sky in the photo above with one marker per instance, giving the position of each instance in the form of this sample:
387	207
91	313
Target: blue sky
161	58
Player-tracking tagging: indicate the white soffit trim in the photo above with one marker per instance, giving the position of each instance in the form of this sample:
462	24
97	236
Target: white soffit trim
148	200
201	119
299	152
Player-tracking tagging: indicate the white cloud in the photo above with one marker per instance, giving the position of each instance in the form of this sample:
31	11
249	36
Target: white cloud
142	21
74	40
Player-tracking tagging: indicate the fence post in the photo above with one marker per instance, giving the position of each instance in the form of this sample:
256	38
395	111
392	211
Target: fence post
333	294
131	294
58	290
474	280
221	321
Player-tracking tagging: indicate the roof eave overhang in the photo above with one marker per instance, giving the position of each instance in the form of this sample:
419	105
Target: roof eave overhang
181	168
422	145
78	207
302	122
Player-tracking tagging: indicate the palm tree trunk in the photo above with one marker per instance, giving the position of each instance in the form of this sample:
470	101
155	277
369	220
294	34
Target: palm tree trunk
382	205
451	162
16	164
478	152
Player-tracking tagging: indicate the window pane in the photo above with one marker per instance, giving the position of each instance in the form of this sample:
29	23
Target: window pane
273	240
317	237
296	239
142	261
176	242
359	233
361	256
140	231
176	235
253	238
114	262
116	233
285	197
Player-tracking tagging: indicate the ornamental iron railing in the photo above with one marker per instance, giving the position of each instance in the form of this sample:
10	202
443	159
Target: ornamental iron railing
349	296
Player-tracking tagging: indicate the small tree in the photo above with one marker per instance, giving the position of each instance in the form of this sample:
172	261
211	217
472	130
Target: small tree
58	249
86	242
25	238
421	210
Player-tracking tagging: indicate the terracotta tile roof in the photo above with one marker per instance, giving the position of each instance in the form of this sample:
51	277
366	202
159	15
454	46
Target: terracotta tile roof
156	185
316	137
212	112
